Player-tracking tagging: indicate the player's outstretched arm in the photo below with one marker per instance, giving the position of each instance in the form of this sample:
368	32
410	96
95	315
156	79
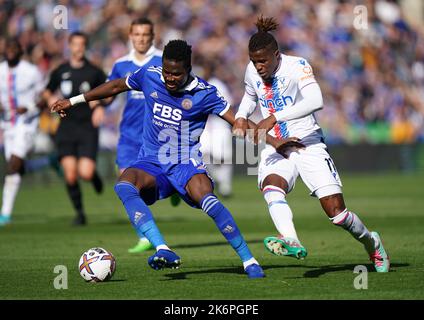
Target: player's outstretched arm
280	144
105	90
240	125
246	108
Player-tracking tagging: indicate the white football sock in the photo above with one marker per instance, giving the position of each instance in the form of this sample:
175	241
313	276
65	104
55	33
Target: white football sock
351	222
222	174
249	262
10	190
280	211
225	176
162	247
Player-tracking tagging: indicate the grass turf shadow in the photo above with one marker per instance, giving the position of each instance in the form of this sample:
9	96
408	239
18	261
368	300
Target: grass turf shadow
210	244
314	273
319	271
182	275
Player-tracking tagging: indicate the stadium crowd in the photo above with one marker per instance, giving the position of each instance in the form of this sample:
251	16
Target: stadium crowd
371	75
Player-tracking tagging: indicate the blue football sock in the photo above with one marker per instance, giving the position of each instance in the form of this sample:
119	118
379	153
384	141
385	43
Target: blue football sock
139	233
139	213
226	224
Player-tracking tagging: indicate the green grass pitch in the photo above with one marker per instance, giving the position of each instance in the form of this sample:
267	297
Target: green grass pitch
41	237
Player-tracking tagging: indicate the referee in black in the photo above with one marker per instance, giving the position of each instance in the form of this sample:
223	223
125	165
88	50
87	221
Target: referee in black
77	137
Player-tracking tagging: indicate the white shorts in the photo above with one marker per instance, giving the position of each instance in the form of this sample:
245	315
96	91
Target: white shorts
19	140
313	164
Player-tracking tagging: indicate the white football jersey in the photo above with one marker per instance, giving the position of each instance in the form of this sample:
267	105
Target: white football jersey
292	75
216	138
19	87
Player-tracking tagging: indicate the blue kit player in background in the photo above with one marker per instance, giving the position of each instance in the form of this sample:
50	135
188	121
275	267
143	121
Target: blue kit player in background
177	106
145	54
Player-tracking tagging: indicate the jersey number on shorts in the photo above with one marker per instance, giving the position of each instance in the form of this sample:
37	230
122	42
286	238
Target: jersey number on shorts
331	166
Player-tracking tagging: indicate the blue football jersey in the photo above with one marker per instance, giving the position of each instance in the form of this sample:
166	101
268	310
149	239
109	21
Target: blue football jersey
131	122
173	122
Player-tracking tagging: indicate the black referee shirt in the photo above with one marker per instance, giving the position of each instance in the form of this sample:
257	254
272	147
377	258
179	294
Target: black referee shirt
72	82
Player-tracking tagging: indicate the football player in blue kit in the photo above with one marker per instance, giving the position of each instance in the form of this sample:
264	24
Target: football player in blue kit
143	54
176	109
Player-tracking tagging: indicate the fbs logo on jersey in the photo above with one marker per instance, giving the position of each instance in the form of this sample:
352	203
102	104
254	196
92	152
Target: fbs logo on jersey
166	113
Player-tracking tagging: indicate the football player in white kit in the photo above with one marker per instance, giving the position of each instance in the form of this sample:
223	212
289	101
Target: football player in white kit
216	139
19	90
288	94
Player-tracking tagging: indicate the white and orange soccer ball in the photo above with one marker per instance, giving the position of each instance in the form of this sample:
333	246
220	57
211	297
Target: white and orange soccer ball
97	265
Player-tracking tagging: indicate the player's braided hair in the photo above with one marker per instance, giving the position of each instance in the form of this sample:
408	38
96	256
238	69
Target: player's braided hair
178	50
263	38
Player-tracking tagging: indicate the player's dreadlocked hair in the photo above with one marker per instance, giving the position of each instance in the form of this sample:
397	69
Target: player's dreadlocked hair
178	50
263	38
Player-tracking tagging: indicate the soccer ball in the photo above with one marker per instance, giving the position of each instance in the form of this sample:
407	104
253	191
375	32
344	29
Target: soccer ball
97	265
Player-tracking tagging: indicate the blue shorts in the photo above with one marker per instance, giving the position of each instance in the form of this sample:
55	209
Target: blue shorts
170	179
126	152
